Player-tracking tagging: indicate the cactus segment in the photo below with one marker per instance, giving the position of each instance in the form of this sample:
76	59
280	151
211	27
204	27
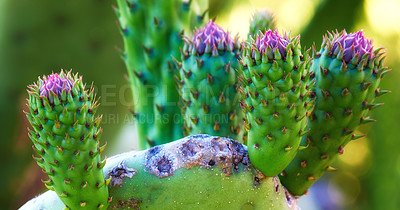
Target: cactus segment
197	172
207	83
275	84
152	37
348	72
66	135
262	20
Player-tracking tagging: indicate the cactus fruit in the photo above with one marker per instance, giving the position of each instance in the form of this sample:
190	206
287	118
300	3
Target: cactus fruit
348	72
275	85
152	37
66	136
208	81
263	21
197	172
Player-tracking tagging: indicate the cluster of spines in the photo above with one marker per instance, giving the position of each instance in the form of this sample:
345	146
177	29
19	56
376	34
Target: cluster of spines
207	83
66	136
344	92
152	36
275	89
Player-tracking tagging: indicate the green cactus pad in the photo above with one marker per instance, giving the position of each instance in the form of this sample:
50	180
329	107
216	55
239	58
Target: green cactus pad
197	172
207	83
275	86
152	32
347	83
66	135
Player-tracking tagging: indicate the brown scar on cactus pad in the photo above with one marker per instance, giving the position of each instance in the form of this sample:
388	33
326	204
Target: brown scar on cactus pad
197	151
196	172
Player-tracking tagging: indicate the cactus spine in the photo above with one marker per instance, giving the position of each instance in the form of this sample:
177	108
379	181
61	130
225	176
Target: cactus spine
197	172
66	135
348	72
208	83
152	36
275	85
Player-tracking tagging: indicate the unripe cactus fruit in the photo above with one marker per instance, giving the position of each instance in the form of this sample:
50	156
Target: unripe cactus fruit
348	72
275	87
262	20
66	135
207	83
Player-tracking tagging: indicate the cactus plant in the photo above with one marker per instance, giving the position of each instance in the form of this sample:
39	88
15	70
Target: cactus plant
208	83
276	81
262	20
197	172
152	37
348	72
66	136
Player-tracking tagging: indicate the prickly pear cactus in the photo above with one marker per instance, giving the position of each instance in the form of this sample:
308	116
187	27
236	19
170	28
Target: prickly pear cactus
348	72
262	20
152	33
197	172
208	81
66	135
275	86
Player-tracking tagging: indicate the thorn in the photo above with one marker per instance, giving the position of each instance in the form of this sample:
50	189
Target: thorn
206	108
341	150
156	21
355	136
147	49
345	92
84	185
288	148
302	133
63	195
210	79
324	156
259	121
331	169
311	178
302	147
227	68
216	126
303	164
347	112
347	131
82	203
325	94
195	94
222	98
365	86
283	130
275	115
326	137
199	63
269	137
364	120
380	93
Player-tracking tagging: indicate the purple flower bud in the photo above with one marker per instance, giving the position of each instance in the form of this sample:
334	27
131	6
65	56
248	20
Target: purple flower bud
273	40
211	35
56	84
352	44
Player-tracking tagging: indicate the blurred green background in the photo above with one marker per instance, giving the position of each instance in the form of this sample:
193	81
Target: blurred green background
39	37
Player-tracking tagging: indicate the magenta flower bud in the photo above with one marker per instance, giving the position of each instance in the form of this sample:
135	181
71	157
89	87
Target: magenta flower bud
352	44
274	41
56	84
211	36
